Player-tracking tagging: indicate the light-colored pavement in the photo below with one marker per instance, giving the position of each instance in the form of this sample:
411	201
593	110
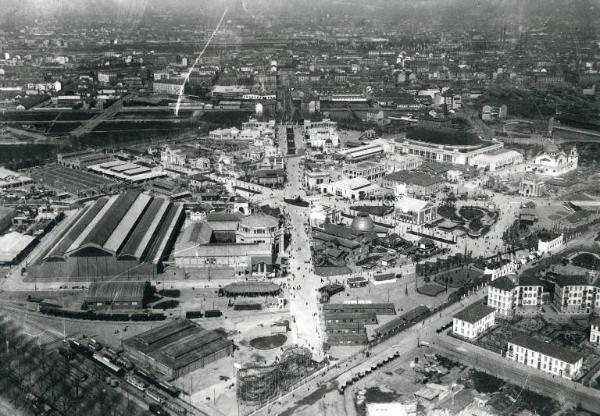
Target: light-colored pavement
342	371
304	304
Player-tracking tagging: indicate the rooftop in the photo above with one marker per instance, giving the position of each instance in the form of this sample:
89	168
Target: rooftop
474	313
550	349
525	280
12	244
245	288
116	291
414	178
503	283
178	343
222	216
408	204
572	280
354	183
257	221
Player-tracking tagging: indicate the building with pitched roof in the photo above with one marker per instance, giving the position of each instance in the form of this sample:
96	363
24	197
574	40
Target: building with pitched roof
415	211
474	320
576	294
545	356
128	235
354	189
505	296
177	348
117	295
413	183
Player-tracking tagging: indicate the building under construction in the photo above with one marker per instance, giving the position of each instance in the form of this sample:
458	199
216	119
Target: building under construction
255	385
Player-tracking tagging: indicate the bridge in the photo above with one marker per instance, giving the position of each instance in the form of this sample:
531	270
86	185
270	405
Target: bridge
87	126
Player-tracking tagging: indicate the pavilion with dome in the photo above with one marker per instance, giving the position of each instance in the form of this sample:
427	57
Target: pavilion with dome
552	161
345	244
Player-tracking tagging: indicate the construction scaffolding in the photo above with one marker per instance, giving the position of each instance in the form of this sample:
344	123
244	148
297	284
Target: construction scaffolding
256	385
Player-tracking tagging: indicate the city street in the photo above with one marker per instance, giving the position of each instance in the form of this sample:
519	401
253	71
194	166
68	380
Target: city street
342	371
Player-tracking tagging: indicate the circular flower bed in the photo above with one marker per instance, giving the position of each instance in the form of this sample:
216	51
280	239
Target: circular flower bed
268	342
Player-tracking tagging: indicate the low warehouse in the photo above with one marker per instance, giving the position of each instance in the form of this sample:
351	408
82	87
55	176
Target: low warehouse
14	247
117	295
251	289
177	348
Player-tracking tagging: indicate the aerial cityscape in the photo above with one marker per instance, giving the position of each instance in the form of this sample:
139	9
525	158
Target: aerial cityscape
299	207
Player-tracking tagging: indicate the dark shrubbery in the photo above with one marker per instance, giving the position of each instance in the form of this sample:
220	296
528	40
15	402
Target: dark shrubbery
444	136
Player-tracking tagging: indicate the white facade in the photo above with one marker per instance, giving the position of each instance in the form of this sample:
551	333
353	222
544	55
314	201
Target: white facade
386	409
415	211
505	296
357	188
224	134
551	245
250	135
362	152
314	179
170	157
169	88
318	136
548	358
402	162
325	123
473	321
530	295
554	162
372	171
499	268
576	294
458	155
498	159
503	300
595	332
202	163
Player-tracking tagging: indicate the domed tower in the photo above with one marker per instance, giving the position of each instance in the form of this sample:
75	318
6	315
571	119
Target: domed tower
363	223
549	147
574	156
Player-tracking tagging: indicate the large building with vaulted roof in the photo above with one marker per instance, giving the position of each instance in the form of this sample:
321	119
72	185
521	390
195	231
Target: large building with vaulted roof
238	243
124	235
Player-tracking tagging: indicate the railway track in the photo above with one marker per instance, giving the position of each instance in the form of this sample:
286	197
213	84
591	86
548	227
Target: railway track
33	324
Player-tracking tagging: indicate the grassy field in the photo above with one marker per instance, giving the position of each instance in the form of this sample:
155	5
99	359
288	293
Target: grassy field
431	289
457	278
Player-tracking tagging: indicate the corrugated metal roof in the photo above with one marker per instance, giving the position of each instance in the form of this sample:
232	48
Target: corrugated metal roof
84	217
94	221
12	244
116	291
138	240
128	221
166	231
